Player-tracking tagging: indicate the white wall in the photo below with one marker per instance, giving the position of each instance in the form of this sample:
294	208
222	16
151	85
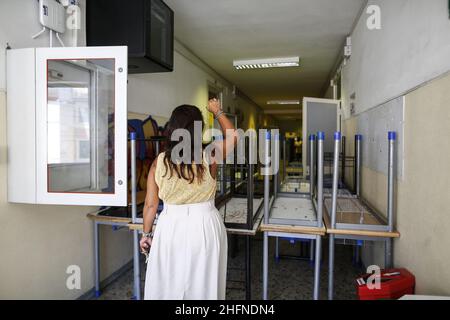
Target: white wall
408	56
159	93
19	21
412	47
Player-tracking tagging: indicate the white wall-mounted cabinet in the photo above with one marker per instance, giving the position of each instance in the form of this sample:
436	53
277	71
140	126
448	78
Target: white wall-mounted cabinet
67	126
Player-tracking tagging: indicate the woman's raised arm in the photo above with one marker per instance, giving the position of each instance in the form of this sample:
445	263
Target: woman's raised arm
227	127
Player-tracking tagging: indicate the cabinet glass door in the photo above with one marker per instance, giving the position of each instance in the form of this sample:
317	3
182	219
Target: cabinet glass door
83	132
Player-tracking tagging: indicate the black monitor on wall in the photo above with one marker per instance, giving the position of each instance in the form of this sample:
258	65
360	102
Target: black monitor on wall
145	26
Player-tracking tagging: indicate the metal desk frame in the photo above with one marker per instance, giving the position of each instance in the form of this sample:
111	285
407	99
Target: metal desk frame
311	232
97	222
383	232
247	229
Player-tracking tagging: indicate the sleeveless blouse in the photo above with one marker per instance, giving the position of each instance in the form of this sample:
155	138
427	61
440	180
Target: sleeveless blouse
174	190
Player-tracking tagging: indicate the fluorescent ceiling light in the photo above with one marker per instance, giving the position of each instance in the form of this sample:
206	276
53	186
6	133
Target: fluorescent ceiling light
284	102
267	63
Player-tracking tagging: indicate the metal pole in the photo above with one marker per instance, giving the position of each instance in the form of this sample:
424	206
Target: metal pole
358	140
357	254
266	218
233	170
320	141
97	259
390	206
277	249
392	136
343	160
136	266
133	177
337	139
242	164
284	159
276	164
157	147
250	196
317	267
331	268
388	253
312	139
318	246
223	184
250	187
248	275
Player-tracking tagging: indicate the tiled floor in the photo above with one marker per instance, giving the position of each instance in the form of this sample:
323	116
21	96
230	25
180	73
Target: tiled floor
288	279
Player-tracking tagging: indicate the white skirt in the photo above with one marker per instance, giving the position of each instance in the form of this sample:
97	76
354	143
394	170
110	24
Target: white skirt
188	256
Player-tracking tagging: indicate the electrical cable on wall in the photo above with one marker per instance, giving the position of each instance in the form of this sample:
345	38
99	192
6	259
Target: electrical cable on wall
52	16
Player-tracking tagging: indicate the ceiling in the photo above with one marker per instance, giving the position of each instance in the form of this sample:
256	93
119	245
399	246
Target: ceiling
219	32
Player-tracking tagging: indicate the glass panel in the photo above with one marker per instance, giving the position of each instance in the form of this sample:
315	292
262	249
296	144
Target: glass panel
80	119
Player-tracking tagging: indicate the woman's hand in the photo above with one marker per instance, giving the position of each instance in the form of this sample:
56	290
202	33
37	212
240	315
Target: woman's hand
214	106
145	244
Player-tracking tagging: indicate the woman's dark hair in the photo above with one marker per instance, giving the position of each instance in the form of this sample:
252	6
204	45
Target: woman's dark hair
184	117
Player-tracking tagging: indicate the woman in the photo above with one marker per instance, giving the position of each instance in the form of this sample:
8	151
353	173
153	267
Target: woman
188	251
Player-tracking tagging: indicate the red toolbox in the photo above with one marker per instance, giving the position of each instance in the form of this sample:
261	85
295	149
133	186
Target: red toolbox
394	284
